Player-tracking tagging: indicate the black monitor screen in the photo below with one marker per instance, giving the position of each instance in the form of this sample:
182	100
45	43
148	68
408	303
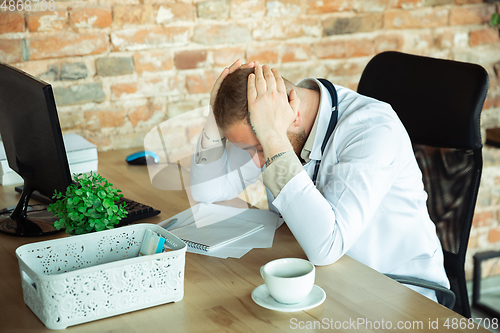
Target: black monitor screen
31	134
30	131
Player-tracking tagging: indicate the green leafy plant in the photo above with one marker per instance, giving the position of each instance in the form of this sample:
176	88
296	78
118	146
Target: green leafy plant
88	205
495	20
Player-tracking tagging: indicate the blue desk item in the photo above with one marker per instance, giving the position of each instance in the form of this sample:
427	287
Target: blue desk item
142	158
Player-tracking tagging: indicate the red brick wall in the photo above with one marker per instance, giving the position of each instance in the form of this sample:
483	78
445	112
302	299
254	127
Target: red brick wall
120	67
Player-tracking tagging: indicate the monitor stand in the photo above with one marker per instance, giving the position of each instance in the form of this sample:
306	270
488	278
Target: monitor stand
18	223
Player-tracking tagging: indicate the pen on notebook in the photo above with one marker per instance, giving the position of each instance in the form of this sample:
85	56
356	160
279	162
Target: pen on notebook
170	223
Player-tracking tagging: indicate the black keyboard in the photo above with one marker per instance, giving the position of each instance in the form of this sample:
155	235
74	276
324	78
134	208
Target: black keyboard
136	210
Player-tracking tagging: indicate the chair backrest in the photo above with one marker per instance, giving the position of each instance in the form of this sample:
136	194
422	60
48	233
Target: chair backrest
439	102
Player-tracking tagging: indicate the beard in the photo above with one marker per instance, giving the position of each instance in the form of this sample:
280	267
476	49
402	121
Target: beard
297	140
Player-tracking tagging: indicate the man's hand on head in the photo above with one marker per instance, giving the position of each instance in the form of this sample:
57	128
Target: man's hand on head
228	70
212	136
271	111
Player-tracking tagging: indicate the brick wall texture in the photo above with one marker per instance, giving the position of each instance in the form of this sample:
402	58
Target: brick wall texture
121	67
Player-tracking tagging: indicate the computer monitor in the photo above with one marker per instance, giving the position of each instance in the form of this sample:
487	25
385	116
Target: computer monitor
31	135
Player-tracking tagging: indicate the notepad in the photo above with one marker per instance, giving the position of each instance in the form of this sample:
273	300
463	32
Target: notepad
205	235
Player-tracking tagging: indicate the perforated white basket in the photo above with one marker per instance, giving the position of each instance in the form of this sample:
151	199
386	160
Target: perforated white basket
78	279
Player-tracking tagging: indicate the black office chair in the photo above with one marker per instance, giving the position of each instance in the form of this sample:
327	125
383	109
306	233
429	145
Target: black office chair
439	102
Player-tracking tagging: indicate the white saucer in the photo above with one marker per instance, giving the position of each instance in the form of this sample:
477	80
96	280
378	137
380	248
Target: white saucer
261	296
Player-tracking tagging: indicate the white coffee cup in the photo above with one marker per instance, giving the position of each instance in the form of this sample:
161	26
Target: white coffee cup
288	280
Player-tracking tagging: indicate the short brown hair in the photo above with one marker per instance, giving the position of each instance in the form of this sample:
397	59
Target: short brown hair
231	103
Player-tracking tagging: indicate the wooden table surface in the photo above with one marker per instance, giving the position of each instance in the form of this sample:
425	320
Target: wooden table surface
218	291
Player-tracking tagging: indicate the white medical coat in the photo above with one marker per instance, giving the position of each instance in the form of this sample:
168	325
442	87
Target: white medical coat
369	202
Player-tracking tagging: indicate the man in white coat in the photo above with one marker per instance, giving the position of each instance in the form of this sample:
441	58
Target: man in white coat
367	200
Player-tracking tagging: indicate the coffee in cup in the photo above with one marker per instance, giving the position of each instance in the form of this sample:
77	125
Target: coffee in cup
288	280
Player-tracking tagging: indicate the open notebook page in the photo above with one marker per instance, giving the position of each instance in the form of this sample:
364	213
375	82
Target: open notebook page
207	234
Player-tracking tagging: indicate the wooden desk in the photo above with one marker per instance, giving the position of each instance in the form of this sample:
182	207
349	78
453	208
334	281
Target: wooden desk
217	291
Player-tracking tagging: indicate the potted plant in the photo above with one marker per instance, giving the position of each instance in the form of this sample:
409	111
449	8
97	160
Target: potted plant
89	204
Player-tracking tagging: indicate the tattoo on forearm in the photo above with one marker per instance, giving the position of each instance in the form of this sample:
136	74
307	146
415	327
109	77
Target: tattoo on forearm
251	125
208	138
269	161
253	129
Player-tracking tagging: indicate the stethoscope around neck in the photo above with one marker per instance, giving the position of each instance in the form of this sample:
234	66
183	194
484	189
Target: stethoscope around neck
331	125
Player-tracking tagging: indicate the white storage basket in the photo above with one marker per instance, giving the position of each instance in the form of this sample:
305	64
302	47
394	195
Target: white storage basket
77	279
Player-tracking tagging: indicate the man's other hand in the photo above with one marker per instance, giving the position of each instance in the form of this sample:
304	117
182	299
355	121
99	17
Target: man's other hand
212	135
